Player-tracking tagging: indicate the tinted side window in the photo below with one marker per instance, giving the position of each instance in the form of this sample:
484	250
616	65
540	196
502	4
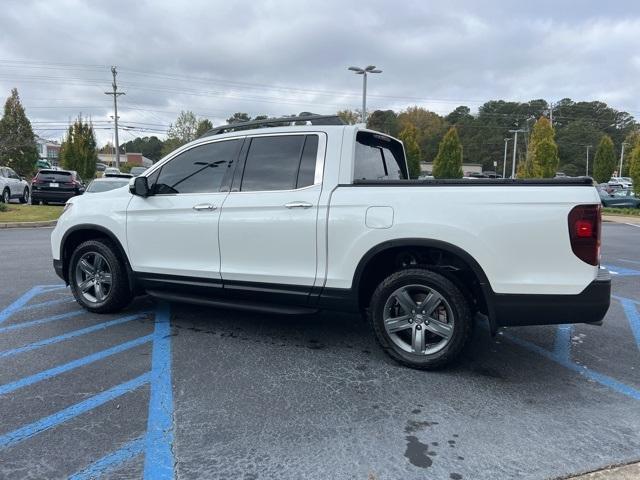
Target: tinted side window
307	171
378	158
198	170
272	163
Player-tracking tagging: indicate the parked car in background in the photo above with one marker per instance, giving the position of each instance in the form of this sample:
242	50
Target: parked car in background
13	186
620	199
40	164
101	167
112	171
55	186
117	175
106	183
135	171
624	182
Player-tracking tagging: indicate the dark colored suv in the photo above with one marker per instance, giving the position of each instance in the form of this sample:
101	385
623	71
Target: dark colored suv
55	186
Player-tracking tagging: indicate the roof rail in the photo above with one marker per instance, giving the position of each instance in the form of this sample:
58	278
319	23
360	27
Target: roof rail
273	122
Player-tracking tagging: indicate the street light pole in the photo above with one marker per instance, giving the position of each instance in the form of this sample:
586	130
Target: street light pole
504	162
515	148
115	94
364	72
621	158
588	147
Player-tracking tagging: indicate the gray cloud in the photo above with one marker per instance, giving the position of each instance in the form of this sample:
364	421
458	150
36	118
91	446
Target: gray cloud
280	57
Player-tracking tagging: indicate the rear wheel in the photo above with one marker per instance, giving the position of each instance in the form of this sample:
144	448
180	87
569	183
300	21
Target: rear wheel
25	196
98	277
420	318
6	196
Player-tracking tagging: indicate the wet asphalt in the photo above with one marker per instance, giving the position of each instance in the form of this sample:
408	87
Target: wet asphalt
204	393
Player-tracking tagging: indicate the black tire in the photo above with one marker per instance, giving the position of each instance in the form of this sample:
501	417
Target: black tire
25	196
119	294
6	196
454	300
44	202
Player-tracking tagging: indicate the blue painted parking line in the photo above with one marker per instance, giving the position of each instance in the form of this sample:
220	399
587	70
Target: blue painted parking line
48	303
622	271
158	462
600	378
17	436
111	461
630	308
19	303
52	372
66	336
41	321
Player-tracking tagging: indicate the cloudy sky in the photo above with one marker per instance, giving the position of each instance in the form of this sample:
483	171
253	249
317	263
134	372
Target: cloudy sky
283	57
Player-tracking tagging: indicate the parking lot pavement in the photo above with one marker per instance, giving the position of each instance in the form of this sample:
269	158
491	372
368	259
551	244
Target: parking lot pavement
176	390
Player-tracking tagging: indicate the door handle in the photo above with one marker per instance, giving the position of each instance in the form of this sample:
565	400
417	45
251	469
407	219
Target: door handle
298	205
204	206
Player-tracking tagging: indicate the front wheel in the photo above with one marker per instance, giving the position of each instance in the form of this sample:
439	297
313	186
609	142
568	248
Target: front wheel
420	318
6	196
98	277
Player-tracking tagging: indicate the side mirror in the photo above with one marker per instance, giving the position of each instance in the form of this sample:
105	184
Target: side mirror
139	186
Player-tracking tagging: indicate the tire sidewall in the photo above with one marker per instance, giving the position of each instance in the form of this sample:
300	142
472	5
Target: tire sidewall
119	282
453	296
6	196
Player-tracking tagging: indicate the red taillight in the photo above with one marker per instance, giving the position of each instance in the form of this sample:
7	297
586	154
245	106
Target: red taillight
37	180
584	232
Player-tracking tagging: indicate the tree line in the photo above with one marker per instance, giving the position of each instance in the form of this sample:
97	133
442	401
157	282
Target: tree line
448	141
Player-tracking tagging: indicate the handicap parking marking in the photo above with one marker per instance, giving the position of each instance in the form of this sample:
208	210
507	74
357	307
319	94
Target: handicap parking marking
157	443
622	271
631	310
561	352
68	335
111	461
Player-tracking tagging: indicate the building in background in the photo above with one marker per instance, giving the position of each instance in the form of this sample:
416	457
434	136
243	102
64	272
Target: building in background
132	159
48	150
467	168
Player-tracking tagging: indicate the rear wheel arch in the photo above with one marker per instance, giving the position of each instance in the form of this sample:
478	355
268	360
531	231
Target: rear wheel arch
81	233
382	260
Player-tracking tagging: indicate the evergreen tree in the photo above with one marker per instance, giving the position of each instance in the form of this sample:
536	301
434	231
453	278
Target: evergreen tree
18	148
448	162
78	150
409	137
542	155
634	168
605	160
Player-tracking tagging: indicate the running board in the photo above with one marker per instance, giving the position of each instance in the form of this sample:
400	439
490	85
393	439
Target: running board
233	304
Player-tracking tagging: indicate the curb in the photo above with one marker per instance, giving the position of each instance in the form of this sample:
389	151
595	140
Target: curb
622	219
624	472
49	223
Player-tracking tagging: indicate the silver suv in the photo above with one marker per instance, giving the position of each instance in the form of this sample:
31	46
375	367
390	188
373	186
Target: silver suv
13	186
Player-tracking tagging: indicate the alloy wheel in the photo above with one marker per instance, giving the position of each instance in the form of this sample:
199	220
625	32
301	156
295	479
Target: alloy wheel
93	277
418	319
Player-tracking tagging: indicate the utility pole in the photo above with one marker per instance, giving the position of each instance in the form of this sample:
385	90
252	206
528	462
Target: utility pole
588	147
515	148
621	158
504	162
115	94
551	113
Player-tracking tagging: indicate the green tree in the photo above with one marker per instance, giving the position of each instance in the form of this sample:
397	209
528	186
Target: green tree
634	168
18	148
409	137
448	162
150	147
238	117
385	121
604	162
204	125
350	117
431	128
78	150
542	155
181	132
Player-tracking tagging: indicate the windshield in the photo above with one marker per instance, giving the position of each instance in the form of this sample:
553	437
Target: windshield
97	186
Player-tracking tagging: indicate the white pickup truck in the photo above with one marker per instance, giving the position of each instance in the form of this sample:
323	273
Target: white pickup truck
319	215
